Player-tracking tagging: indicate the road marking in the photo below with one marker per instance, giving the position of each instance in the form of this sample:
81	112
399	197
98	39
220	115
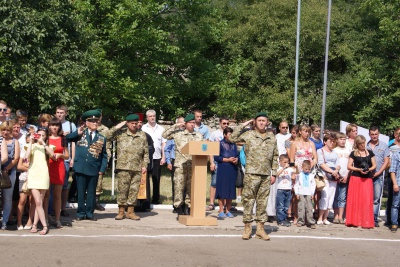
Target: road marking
208	236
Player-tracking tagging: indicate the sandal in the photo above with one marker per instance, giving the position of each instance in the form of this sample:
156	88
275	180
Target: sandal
45	230
34	228
210	207
221	215
58	225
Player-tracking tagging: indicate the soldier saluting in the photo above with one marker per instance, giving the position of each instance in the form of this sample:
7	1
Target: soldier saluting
90	161
261	164
132	160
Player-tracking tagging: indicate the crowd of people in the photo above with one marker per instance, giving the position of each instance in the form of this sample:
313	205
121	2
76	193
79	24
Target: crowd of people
273	175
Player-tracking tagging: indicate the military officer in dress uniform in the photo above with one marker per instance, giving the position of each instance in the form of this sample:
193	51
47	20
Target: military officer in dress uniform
90	161
183	162
132	160
261	164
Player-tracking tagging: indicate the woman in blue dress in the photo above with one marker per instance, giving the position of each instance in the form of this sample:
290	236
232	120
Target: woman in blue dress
227	172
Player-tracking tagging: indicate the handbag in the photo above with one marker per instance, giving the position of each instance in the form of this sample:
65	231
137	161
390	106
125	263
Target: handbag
25	188
240	176
5	181
319	178
327	174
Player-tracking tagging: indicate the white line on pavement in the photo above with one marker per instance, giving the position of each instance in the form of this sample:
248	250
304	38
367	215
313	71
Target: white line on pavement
208	236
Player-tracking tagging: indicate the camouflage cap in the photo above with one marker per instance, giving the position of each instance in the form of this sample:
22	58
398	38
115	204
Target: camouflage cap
189	117
261	114
132	117
91	114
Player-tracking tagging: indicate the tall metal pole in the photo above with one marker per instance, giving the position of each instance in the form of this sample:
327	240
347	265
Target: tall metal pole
328	27
296	75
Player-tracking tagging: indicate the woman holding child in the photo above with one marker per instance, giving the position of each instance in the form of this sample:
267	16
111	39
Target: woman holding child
360	197
302	149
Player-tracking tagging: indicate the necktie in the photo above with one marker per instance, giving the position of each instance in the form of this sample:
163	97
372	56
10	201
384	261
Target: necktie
91	136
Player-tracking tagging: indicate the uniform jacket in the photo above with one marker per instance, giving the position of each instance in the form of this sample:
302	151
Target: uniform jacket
90	157
181	138
261	153
132	149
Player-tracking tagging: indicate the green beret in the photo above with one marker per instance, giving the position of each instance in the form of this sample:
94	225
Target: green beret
189	117
91	114
132	117
261	114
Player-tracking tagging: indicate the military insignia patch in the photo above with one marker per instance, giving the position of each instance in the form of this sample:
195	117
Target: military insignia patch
204	147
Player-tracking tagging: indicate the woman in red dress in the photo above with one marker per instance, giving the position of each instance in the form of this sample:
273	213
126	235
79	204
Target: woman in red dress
56	165
360	197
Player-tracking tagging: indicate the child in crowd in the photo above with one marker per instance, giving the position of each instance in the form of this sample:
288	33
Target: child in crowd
339	202
284	185
304	189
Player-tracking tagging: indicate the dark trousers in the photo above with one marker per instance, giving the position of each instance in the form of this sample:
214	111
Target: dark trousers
86	187
72	188
155	177
172	179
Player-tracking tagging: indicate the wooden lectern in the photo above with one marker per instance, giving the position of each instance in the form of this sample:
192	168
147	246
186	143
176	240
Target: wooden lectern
200	152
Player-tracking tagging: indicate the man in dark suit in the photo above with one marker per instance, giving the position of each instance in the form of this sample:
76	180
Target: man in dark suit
90	161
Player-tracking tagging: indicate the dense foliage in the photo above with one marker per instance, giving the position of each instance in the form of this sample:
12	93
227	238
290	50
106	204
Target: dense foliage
227	57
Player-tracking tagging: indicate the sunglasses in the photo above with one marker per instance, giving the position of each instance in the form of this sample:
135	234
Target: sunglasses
3	109
285	127
225	123
42	128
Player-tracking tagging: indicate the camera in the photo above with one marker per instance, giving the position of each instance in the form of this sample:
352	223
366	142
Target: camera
36	136
364	166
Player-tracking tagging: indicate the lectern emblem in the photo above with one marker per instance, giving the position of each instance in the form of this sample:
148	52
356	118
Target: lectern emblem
204	147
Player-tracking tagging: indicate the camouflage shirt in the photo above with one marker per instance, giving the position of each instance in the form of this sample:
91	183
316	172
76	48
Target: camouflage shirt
181	138
132	149
102	129
261	153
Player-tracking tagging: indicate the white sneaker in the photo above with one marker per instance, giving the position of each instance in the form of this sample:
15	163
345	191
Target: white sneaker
239	199
320	223
326	222
20	227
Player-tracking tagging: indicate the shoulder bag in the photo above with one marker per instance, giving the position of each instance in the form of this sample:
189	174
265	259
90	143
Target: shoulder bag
319	178
5	181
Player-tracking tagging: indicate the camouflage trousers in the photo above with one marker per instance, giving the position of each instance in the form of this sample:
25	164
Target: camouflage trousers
128	187
182	181
256	190
305	210
99	187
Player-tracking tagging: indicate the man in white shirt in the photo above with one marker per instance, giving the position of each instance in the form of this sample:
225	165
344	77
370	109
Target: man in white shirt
155	131
281	137
3	110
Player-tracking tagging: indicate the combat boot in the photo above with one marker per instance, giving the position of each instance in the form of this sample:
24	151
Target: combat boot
260	233
98	206
247	231
121	213
131	214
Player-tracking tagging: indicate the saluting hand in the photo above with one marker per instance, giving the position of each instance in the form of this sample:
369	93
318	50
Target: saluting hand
81	129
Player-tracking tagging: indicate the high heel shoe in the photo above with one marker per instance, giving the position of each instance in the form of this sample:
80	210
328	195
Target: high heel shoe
34	228
45	230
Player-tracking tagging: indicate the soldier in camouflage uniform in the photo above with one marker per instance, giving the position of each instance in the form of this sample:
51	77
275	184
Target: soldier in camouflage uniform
261	164
183	162
132	160
102	129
